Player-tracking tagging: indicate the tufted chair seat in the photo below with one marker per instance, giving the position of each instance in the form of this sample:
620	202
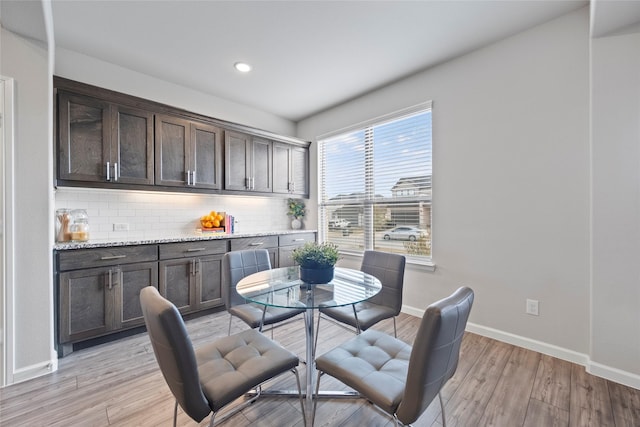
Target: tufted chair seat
373	363
232	365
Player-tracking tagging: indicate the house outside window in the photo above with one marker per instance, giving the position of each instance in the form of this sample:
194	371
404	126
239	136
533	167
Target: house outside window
376	185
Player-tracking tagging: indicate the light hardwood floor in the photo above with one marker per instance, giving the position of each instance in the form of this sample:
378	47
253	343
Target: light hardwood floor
496	384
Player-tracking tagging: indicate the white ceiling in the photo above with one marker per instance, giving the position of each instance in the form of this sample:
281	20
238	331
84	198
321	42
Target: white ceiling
307	56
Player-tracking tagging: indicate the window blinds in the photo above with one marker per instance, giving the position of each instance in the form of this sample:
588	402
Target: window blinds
376	177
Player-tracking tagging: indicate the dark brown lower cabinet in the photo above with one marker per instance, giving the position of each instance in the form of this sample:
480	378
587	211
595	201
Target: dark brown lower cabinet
191	274
98	289
98	301
192	284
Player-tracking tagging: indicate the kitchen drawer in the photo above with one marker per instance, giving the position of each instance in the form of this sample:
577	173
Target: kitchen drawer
296	239
193	249
100	257
264	242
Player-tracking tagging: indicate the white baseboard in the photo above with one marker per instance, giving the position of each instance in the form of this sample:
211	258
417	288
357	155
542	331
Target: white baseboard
597	369
34	371
530	344
614	374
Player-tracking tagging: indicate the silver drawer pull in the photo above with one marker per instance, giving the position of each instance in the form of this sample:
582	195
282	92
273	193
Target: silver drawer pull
298	240
196	249
105	258
256	243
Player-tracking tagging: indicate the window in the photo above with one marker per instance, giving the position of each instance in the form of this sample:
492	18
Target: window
375	185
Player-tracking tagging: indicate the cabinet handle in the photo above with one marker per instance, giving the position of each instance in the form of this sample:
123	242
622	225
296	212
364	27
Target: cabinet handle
193	178
193	267
196	249
253	183
116	172
110	284
298	240
105	258
108	171
256	243
188	178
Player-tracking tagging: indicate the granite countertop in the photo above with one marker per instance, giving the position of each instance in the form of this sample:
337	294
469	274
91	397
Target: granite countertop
104	243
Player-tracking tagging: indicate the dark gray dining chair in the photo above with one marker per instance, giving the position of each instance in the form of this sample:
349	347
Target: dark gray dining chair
400	379
206	379
389	269
236	265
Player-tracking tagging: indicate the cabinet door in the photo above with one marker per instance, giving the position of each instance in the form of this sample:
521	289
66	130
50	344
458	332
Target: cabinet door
172	151
237	161
132	279
281	168
86	304
209	282
132	146
261	165
177	284
290	169
285	256
299	171
206	161
84	142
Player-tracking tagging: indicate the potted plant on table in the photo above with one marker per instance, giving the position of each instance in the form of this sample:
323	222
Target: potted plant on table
317	261
296	211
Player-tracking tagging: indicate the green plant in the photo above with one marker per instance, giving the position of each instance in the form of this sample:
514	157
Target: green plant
296	208
316	255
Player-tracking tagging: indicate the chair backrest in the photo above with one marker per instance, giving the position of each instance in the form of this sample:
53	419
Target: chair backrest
435	353
389	269
174	352
235	266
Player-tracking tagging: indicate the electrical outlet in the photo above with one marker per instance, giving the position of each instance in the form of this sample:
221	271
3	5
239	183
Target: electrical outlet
532	307
121	227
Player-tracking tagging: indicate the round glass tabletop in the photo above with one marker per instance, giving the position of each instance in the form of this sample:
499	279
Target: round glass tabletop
282	287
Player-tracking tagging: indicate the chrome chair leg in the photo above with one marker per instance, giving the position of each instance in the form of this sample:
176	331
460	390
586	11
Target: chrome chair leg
444	422
175	414
230	318
304	413
395	331
315	401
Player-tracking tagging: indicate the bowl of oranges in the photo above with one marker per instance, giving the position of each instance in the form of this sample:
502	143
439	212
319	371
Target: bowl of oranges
212	220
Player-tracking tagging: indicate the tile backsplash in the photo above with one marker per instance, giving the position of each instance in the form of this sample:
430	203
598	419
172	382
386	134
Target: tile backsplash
152	215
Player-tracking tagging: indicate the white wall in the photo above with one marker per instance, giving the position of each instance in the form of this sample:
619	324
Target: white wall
615	339
76	66
27	62
511	182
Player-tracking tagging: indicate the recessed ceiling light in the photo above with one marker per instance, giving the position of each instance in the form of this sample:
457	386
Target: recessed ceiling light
242	67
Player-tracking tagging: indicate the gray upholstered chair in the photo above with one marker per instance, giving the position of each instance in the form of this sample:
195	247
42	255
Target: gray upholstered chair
206	379
400	379
389	269
235	266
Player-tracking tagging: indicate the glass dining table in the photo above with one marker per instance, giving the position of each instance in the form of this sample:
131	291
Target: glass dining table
282	287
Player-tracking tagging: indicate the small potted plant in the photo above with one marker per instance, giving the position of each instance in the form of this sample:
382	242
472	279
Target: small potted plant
296	211
317	261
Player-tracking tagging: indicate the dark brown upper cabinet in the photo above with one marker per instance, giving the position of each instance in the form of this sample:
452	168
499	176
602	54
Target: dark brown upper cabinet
291	174
188	153
108	139
248	163
103	142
